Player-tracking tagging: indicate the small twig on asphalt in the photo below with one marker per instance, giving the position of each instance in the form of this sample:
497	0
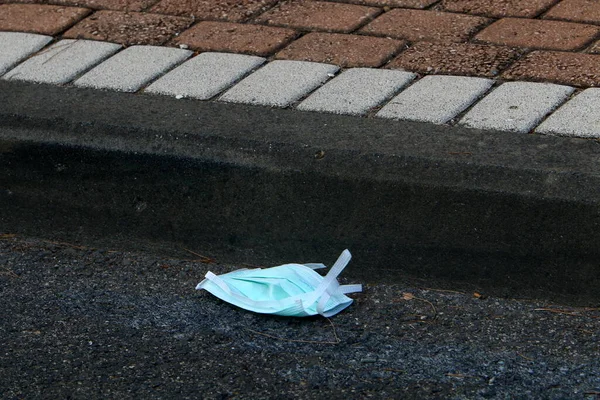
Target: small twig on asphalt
202	259
432	306
74	246
409	296
525	357
401	371
460	375
337	339
558	311
444	291
8	272
7	235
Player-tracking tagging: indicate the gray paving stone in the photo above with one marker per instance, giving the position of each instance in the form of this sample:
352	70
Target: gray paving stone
16	46
205	75
516	106
579	117
63	61
436	98
132	68
356	91
280	83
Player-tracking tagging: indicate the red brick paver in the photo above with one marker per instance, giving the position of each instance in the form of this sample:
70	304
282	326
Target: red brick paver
560	67
225	10
392	3
44	19
129	28
455	59
576	10
341	49
319	15
498	8
538	34
119	5
425	25
237	38
463	37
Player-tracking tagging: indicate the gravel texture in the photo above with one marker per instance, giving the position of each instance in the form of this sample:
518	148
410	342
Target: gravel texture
96	323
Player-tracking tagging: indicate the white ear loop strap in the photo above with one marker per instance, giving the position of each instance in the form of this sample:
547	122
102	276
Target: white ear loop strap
335	271
350	288
219	282
329	284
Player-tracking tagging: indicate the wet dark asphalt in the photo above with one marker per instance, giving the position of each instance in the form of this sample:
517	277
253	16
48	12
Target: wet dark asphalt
90	323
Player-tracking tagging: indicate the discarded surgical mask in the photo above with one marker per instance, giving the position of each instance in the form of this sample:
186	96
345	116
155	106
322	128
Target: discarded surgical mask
289	290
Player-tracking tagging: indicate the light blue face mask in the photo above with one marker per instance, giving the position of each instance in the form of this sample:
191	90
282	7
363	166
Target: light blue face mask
289	290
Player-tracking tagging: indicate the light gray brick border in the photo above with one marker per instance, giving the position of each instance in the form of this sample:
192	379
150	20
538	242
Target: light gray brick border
512	106
132	68
205	75
436	98
280	83
17	46
516	106
63	61
579	117
356	91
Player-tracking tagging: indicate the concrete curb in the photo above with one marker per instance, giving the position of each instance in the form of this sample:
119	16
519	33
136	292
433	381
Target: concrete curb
510	213
513	106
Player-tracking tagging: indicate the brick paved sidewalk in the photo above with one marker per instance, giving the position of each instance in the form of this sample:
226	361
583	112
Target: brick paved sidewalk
535	40
497	65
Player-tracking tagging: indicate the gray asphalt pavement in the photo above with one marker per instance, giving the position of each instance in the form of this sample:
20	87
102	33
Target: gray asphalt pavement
78	322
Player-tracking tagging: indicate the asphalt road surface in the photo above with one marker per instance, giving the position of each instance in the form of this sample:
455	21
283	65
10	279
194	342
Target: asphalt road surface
78	322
